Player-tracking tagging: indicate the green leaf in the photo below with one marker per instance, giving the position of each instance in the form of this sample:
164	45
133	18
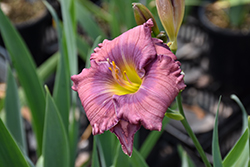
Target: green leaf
69	25
137	159
95	44
244	113
151	140
62	88
46	69
239	154
106	144
26	71
96	10
176	115
10	154
73	135
55	140
193	2
237	14
114	25
215	142
238	2
125	13
95	159
40	162
62	91
13	116
120	159
82	47
87	22
185	159
123	160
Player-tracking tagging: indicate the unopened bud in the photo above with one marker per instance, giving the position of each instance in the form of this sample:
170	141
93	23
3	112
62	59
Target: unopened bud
142	14
171	14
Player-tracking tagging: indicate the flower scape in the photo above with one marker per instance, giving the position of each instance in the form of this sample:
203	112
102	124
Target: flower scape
132	81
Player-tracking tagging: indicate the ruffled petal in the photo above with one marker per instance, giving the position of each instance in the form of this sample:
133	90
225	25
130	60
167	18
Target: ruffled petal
125	133
93	87
134	47
162	48
148	105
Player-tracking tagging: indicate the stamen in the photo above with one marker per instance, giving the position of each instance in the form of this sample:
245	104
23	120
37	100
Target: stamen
124	72
113	63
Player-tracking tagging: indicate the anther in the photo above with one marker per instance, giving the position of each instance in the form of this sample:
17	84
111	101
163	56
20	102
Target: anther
113	63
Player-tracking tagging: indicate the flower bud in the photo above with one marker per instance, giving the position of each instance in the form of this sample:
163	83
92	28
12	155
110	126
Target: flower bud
171	14
142	14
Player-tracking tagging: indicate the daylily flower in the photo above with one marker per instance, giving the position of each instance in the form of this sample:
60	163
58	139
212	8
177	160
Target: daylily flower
131	82
171	14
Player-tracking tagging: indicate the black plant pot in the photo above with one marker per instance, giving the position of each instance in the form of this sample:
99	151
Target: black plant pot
33	32
229	55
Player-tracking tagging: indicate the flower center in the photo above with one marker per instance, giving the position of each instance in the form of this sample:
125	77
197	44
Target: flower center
122	78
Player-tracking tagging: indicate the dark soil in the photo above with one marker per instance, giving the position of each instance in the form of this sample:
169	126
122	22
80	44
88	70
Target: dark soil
218	15
23	10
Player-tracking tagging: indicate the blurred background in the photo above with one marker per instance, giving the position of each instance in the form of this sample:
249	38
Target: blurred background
213	48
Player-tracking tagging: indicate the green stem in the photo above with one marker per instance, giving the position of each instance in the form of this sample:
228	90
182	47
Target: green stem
191	133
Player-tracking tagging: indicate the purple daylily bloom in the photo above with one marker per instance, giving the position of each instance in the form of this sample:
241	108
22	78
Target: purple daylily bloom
131	82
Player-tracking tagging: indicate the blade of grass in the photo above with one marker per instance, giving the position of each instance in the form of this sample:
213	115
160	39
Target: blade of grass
13	116
55	140
10	154
27	76
215	142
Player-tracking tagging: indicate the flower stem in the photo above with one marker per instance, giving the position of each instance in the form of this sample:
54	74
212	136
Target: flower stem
191	133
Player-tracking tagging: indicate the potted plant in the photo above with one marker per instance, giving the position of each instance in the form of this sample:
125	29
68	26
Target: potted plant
228	26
